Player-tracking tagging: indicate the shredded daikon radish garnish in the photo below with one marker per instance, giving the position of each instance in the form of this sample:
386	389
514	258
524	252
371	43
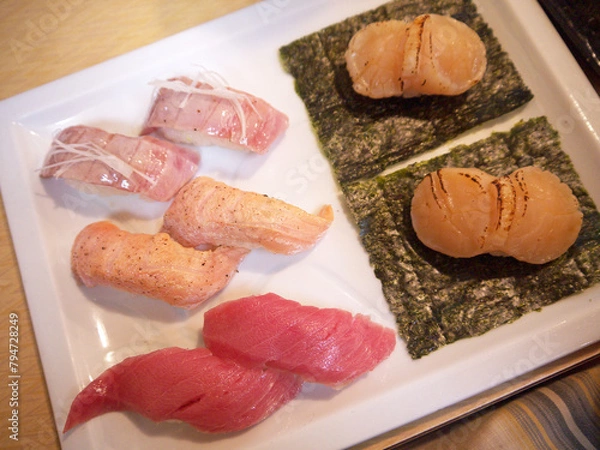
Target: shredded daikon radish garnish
86	152
215	87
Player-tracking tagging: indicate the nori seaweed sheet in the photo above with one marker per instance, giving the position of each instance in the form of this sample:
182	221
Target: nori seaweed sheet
362	136
438	299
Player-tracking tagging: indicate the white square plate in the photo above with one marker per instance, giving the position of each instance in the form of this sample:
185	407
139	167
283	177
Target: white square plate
80	332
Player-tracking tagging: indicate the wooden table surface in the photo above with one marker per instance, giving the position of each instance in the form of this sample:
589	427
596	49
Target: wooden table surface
42	42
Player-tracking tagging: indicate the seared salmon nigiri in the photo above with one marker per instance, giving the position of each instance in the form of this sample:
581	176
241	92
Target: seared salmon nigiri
529	215
151	265
433	55
207	211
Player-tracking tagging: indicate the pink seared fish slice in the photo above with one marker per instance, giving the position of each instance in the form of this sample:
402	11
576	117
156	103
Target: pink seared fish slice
206	211
152	265
211	394
209	113
152	167
328	345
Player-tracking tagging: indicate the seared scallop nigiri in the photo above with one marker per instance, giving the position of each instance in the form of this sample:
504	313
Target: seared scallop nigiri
452	209
538	217
529	215
374	59
433	55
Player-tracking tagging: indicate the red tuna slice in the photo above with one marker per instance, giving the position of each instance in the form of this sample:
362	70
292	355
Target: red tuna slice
210	113
328	345
151	167
212	394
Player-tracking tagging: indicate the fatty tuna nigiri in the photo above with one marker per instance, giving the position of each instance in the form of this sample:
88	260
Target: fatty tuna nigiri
206	211
152	167
322	345
212	394
209	113
151	265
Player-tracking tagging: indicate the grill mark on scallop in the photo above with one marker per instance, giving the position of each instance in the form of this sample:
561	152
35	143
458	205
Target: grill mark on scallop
413	49
441	181
520	178
431	47
473	178
421	28
506	202
433	190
